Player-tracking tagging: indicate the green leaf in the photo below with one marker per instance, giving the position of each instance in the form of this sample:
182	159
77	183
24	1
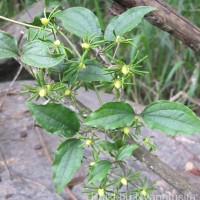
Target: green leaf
106	145
99	171
94	72
8	45
67	160
119	144
52	3
55	118
111	115
171	118
37	54
80	21
126	151
126	21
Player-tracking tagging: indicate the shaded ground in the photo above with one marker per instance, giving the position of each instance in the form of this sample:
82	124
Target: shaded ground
25	171
9	69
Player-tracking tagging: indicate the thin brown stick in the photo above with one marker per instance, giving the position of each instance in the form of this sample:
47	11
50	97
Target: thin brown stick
42	141
5	163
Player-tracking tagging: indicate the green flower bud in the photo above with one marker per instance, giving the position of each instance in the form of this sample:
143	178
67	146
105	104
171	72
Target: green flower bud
101	192
82	65
146	141
85	46
88	142
137	120
118	83
125	69
126	130
144	193
44	21
42	92
57	43
68	92
124	181
118	39
92	163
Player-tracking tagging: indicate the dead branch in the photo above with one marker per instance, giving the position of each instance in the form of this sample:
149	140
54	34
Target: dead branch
173	178
167	19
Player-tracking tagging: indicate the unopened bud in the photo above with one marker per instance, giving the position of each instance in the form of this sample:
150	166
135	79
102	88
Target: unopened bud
85	46
88	142
57	43
125	69
126	130
101	192
118	39
137	120
144	193
118	83
146	141
82	65
92	163
42	92
44	21
124	181
68	92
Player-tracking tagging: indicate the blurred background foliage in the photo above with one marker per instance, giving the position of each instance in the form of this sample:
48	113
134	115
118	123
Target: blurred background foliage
173	68
11	8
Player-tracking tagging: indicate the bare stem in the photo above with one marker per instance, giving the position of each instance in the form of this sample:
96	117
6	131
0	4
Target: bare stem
98	95
115	53
20	23
70	43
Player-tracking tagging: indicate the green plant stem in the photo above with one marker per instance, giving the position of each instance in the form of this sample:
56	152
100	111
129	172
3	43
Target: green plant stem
98	95
70	43
20	23
115	53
